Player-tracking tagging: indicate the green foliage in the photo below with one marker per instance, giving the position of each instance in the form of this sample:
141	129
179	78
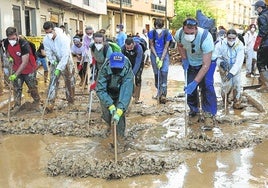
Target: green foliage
188	8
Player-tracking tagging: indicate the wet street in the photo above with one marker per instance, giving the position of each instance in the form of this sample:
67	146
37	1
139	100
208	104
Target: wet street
33	151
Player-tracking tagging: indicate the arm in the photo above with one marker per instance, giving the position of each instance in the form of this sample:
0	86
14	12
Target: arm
49	53
205	66
65	52
138	59
151	42
239	60
25	61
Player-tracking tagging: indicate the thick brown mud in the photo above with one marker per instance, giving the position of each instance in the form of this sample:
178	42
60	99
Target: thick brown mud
155	137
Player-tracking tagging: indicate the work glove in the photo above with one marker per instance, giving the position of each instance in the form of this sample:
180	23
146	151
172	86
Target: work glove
12	77
228	77
54	63
159	64
57	72
93	86
112	109
10	59
191	87
185	64
224	65
117	115
79	67
157	59
257	43
93	62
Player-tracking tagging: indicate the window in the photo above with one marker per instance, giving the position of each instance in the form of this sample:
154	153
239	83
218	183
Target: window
17	18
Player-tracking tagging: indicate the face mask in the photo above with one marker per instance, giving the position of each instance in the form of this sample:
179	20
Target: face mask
90	36
12	42
98	46
189	38
231	43
159	31
222	37
117	30
252	29
50	35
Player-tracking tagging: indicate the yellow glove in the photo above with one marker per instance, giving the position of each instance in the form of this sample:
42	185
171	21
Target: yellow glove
112	109
10	59
159	64
118	114
157	59
12	77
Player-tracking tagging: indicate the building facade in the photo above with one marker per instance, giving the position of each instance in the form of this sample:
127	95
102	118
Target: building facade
28	16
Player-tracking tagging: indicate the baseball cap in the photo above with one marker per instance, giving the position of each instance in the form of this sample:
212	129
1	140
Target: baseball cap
117	60
259	4
120	26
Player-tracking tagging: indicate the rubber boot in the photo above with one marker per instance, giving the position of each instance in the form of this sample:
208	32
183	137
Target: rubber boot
264	81
45	76
254	67
237	104
137	93
209	122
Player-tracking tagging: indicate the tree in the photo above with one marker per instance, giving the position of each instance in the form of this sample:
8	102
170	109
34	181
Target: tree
188	8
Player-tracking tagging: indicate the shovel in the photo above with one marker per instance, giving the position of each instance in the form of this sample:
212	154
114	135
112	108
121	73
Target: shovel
114	123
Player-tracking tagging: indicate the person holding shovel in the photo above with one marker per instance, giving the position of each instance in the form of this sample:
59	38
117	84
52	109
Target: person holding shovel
58	51
199	69
24	67
230	60
114	90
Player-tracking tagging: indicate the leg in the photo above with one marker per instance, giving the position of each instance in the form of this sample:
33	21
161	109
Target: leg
68	75
17	84
192	99
31	82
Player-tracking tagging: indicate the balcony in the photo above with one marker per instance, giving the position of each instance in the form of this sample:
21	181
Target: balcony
126	3
89	6
158	8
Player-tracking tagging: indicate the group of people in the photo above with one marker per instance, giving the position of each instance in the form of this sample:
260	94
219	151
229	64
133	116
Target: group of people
118	75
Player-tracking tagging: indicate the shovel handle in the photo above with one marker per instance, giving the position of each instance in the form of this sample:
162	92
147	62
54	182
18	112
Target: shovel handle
115	142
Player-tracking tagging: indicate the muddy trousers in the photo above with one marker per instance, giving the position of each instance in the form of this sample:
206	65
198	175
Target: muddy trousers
68	76
138	79
206	86
121	126
31	82
162	83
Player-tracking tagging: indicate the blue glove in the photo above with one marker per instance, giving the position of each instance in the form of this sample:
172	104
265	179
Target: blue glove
228	77
185	64
224	65
57	72
191	87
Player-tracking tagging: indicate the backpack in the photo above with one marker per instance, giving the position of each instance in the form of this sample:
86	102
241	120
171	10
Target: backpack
172	43
142	42
115	47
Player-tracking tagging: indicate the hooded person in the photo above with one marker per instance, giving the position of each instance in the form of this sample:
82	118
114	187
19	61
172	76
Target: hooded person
114	90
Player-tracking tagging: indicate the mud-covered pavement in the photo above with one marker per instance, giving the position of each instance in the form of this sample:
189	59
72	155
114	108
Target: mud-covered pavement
63	143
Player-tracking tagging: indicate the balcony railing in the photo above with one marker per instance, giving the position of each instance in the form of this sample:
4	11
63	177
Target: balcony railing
124	2
158	8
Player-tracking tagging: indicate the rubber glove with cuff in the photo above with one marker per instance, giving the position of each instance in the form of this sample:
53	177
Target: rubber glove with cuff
224	65
57	72
12	77
257	43
112	109
185	64
117	114
79	67
191	87
54	63
159	64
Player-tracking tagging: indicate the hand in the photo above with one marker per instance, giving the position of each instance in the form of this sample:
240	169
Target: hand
228	77
117	115
191	87
54	63
224	65
159	64
157	59
93	86
93	62
57	72
185	64
112	109
12	77
257	43
10	59
79	67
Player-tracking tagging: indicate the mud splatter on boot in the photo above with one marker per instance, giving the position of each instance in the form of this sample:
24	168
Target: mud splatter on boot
209	122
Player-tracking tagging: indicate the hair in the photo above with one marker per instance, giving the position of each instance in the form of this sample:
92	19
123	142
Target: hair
11	31
98	35
159	23
48	25
193	21
252	25
231	31
62	26
88	28
129	41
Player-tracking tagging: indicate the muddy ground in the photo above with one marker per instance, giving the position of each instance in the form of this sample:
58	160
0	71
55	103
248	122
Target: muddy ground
155	135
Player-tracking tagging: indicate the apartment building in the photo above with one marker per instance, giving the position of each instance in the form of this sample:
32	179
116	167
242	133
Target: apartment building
28	16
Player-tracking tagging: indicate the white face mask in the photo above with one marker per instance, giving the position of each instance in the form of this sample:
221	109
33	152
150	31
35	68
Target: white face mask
231	43
12	42
117	30
252	29
159	31
222	37
90	36
189	38
98	46
50	35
